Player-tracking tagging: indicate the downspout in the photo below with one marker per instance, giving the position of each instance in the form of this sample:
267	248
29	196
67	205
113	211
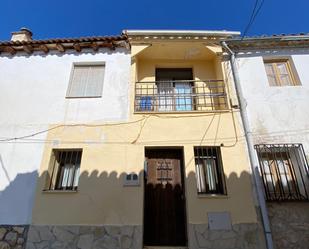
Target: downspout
250	145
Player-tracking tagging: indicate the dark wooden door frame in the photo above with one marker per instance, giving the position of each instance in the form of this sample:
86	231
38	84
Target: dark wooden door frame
183	176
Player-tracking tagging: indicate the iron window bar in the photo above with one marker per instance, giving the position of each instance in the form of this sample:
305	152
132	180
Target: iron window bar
284	170
180	96
209	170
65	169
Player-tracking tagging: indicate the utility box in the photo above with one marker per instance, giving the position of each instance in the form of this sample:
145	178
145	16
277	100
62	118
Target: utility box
131	179
219	221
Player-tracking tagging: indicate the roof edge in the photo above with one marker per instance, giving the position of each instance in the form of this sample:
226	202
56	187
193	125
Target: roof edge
274	41
152	32
63	44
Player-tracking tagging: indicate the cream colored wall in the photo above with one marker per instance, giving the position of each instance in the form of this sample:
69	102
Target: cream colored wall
202	69
111	150
101	198
33	96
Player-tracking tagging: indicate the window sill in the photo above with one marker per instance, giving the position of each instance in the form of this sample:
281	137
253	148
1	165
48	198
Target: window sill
213	196
59	191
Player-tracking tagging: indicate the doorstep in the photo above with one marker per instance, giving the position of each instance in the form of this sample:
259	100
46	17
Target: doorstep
165	247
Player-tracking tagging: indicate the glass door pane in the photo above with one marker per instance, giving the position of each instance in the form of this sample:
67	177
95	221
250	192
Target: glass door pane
165	96
183	95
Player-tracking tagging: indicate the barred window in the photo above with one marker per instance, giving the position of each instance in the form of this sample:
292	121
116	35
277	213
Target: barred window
64	169
209	170
284	170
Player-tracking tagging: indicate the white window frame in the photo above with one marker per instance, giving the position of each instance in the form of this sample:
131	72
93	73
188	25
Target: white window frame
85	64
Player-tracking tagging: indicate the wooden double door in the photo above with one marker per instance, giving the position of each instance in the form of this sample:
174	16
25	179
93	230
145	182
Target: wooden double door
164	202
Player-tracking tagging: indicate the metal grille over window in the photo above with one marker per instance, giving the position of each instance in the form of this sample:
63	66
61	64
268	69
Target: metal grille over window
180	96
65	169
86	81
209	170
284	170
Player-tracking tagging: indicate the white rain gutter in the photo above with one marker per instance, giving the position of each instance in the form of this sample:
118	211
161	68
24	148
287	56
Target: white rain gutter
250	145
181	32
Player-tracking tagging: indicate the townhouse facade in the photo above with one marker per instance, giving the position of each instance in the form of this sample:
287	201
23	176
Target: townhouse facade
273	81
143	141
179	81
45	85
126	163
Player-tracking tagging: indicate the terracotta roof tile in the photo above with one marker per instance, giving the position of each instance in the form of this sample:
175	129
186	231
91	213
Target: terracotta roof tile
45	45
65	40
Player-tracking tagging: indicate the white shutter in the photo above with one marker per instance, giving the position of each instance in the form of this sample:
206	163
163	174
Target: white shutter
86	81
95	81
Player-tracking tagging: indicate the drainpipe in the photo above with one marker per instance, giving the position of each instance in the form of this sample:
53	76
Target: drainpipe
252	155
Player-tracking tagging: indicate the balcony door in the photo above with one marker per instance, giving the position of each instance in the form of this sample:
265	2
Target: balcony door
174	93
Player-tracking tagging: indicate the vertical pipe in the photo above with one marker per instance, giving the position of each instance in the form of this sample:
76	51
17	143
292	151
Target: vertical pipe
250	146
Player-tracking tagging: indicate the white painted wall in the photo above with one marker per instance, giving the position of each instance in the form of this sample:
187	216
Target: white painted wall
32	96
276	114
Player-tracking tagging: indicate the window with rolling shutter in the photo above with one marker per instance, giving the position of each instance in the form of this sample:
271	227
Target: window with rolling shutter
86	81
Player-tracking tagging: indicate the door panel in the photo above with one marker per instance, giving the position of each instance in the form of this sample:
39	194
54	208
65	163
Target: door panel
164	215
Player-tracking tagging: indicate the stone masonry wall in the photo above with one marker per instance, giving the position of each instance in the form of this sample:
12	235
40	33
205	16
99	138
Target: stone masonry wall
12	237
289	224
84	237
241	236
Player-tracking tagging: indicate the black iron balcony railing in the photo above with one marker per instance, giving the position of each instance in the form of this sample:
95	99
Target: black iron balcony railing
180	96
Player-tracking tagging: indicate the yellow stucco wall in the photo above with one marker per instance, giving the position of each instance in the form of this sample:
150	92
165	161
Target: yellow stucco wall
111	150
202	69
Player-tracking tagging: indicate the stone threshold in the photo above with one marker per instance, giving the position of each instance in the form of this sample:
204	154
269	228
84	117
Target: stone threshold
165	247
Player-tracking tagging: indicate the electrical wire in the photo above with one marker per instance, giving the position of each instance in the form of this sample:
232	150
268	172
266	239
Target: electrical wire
255	12
251	17
101	125
68	125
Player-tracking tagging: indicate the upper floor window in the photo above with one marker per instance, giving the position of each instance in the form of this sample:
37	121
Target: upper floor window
284	171
86	80
209	170
280	73
64	169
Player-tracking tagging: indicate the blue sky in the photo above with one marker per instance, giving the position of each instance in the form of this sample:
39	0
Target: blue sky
68	18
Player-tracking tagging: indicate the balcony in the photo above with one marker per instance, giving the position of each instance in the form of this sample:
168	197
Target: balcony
180	96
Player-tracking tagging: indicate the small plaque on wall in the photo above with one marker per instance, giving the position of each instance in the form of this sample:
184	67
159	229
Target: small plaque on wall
131	179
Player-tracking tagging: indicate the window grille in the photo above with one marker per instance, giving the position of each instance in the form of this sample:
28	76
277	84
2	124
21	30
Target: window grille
284	171
65	169
86	81
209	170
